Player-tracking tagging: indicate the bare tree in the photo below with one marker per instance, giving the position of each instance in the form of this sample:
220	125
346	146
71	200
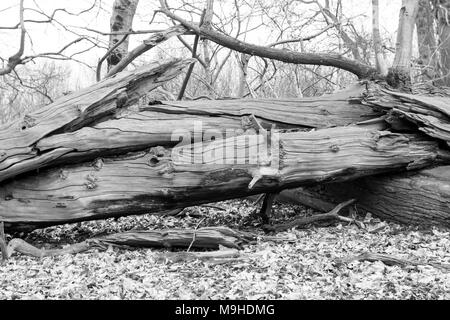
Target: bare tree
400	74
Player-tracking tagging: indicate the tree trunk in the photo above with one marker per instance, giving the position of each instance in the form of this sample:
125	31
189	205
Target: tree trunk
121	21
426	36
444	39
379	57
399	75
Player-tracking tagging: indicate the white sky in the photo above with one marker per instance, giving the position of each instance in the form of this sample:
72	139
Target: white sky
48	38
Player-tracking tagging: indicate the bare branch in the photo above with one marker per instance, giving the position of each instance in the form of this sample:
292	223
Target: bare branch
146	45
100	61
358	68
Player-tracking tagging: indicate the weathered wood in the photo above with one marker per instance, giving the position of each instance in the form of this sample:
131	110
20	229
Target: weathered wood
338	109
18	139
137	128
209	238
430	113
153	181
414	198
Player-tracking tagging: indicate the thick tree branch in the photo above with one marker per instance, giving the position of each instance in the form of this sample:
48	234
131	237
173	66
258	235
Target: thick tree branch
358	68
146	45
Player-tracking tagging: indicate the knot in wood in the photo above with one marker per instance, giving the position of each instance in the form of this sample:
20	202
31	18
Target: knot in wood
98	164
28	122
121	99
91	181
335	148
63	174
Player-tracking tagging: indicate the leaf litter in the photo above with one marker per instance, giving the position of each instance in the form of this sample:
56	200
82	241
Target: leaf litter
305	267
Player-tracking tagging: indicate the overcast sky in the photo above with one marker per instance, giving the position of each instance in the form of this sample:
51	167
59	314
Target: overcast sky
48	38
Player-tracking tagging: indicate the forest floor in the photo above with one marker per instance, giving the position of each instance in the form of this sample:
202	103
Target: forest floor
302	268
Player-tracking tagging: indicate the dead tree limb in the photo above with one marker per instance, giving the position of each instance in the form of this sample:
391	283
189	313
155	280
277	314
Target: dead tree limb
360	69
205	238
149	43
303	222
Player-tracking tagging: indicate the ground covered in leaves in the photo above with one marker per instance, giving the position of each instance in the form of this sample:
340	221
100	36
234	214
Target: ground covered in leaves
302	266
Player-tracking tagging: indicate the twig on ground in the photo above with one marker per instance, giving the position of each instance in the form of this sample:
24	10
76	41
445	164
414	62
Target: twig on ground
195	233
389	260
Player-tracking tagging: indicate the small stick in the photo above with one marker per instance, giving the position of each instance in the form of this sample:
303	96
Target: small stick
195	233
389	260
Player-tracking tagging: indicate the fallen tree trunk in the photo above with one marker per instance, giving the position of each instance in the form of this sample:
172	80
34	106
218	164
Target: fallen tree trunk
153	181
118	159
52	140
415	198
18	139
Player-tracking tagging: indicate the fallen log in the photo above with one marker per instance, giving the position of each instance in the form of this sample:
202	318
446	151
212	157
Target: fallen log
421	197
18	139
153	181
203	238
93	130
51	140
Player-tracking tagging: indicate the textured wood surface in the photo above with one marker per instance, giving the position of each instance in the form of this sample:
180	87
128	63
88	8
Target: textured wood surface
18	139
155	180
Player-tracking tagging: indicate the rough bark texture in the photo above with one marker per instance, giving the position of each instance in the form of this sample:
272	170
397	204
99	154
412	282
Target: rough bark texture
121	20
